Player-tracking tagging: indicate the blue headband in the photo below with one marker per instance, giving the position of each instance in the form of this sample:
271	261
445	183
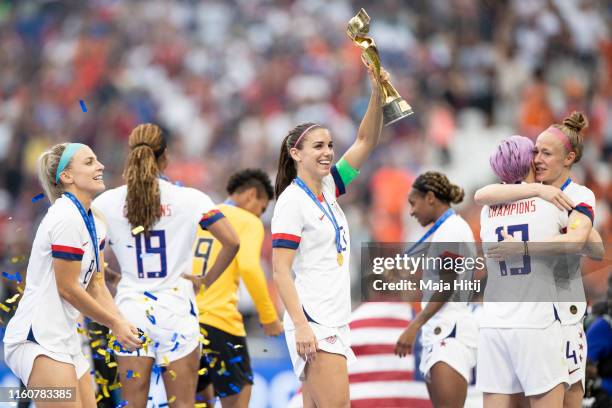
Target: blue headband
69	151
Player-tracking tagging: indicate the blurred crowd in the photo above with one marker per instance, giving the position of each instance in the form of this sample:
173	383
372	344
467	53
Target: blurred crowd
228	79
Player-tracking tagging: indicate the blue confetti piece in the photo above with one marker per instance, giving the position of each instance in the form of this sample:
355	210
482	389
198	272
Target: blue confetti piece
156	344
234	387
157	370
236	359
151	318
122	404
174	336
16	276
150	295
38	197
222	394
129	374
175	346
83	105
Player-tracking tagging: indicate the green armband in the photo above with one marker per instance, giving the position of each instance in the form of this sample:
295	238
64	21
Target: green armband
346	171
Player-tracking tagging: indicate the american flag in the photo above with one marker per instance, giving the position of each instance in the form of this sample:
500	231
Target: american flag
379	378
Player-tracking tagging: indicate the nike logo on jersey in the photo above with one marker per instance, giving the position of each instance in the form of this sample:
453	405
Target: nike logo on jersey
574	370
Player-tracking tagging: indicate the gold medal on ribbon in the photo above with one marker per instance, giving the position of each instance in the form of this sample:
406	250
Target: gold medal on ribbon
340	258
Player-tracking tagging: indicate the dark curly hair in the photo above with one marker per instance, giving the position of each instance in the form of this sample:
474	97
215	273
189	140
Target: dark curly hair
247	178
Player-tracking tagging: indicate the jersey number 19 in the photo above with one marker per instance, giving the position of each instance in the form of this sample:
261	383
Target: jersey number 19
151	250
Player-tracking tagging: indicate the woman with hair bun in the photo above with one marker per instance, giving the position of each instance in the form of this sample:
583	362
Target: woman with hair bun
557	149
449	332
65	278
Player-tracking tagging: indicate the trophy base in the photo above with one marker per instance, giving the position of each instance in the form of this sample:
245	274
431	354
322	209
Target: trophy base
396	110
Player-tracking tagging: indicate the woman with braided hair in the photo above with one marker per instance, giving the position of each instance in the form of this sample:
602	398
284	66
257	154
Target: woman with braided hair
449	333
152	225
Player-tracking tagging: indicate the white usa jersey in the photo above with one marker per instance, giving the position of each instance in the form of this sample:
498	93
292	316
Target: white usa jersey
155	261
453	239
520	291
322	285
572	301
42	315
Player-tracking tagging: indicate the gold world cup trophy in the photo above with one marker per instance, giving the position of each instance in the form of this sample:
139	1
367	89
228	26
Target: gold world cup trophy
394	106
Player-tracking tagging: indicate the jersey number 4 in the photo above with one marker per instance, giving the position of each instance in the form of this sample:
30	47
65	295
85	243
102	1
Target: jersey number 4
151	250
524	230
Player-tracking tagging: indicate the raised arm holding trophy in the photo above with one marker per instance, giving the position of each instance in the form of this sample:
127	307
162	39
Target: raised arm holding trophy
394	106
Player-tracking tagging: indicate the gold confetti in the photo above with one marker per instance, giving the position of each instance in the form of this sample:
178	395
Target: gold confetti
5	307
101	381
99	397
79	330
115	386
200	405
112	364
17	259
137	230
171	399
172	374
96	343
202	371
575	224
13	298
100	351
166	361
20	289
105	391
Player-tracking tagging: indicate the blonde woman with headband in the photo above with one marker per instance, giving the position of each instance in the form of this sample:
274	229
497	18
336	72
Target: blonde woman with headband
65	278
311	239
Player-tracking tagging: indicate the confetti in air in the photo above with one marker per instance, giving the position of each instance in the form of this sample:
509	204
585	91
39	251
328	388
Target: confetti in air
16	276
83	105
38	197
17	259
